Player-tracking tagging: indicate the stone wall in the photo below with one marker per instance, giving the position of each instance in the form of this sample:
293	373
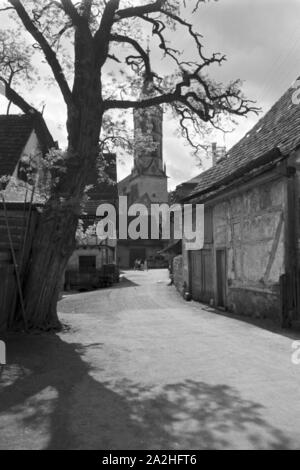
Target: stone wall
178	273
254	303
150	188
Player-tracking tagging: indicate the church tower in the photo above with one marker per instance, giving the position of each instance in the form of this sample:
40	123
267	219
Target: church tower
148	134
148	182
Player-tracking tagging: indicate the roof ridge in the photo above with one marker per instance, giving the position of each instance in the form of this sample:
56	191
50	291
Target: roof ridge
278	128
15	130
262	118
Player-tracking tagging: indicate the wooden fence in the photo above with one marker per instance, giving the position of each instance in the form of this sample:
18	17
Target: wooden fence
8	296
21	219
290	298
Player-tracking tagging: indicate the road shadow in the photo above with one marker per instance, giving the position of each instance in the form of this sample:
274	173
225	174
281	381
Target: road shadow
265	324
51	399
124	282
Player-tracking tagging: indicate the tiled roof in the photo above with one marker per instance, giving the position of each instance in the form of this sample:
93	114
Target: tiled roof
280	127
14	134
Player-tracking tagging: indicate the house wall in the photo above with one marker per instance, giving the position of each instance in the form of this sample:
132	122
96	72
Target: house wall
178	277
129	251
297	202
144	190
73	264
32	149
123	256
186	265
156	187
250	226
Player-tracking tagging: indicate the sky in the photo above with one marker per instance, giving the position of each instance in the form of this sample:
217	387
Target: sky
261	39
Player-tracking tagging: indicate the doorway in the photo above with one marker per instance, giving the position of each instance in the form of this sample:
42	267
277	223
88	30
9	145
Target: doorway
201	275
136	253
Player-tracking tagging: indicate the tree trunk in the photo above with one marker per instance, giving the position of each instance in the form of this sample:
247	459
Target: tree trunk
54	240
53	245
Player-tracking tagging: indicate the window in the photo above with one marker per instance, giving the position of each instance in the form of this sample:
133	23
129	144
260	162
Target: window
87	264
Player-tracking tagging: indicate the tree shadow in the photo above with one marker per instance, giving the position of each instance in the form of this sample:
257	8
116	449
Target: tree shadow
124	282
51	399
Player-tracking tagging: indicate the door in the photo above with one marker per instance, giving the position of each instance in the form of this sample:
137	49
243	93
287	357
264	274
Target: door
221	277
201	272
136	253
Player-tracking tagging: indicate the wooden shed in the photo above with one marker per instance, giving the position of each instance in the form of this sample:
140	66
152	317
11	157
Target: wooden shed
17	227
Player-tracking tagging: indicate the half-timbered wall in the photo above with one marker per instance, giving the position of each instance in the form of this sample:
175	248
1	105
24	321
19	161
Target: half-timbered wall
250	228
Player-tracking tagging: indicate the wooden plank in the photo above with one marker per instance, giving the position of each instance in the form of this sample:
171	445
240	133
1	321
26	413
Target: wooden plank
221	277
196	274
8	295
274	248
207	276
201	263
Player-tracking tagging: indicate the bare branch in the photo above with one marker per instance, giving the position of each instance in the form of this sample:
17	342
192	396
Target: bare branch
140	10
113	57
131	104
6	8
72	12
102	36
46	48
17	99
193	104
125	39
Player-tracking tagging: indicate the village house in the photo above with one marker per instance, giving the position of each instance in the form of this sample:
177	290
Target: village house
249	264
23	139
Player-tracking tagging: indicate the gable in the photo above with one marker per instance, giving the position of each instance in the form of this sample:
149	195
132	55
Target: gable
14	135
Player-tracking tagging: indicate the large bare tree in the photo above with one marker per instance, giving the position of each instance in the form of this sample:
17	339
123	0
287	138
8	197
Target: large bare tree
97	52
